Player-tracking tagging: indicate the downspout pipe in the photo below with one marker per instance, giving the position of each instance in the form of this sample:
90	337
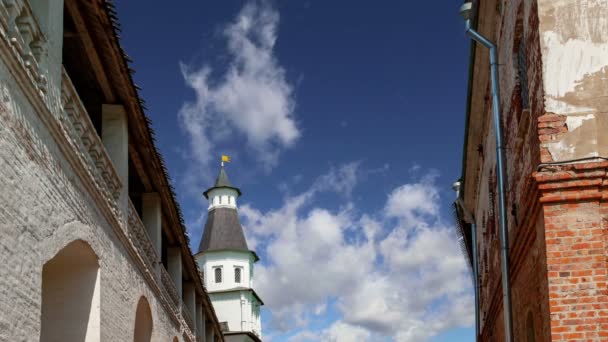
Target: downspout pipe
466	12
476	277
469	218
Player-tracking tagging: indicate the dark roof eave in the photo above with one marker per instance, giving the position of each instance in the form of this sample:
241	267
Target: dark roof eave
222	187
469	100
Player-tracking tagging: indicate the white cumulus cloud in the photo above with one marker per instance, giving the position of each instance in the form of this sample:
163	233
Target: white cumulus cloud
395	274
337	332
252	98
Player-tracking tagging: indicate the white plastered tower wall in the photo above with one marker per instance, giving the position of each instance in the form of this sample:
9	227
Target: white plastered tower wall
233	302
228	265
222	198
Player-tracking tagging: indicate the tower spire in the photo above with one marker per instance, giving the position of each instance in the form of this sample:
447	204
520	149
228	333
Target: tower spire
228	263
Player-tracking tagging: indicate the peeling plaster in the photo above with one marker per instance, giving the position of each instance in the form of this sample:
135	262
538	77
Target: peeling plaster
575	121
574	46
574	41
566	66
581	141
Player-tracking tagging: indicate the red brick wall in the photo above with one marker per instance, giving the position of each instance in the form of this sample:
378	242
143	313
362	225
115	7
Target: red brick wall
575	210
517	20
558	215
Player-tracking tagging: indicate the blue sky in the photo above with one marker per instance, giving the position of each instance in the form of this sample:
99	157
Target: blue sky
345	124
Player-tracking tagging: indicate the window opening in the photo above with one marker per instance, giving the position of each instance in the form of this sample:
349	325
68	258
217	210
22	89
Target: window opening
218	275
237	275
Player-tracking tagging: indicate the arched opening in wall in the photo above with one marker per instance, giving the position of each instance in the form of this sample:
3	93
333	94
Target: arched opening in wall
530	332
70	295
175	339
143	321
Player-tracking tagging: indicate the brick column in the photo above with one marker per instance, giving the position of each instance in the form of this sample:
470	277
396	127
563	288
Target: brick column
190	300
574	206
209	334
115	138
200	322
152	219
174	256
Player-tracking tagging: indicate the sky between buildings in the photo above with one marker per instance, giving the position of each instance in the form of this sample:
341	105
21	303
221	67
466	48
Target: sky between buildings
345	124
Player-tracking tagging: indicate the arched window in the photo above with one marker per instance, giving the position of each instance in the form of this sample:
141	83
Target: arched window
530	332
237	274
143	321
218	274
70	295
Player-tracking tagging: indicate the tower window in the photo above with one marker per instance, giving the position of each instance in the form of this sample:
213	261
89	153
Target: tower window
237	274
218	274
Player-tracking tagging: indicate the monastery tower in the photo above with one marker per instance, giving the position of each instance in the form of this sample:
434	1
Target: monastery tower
228	264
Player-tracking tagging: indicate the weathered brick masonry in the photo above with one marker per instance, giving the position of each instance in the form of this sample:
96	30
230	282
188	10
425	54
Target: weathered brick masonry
92	243
553	58
574	200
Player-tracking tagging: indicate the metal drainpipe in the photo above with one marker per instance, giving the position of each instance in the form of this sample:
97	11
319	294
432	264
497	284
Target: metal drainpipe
469	217
500	170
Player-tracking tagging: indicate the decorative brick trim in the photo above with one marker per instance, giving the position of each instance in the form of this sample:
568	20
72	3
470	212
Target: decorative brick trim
573	199
573	182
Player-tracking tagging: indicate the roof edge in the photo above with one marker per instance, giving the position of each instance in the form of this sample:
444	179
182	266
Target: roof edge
472	52
222	187
239	289
255	337
256	258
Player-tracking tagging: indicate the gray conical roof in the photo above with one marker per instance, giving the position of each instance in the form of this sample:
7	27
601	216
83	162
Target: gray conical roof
223	231
222	181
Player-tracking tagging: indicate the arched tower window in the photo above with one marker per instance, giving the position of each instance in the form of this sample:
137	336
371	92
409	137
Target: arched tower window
237	274
70	295
218	274
143	322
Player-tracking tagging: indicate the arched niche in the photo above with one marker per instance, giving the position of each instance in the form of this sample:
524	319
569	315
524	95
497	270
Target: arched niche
143	321
71	295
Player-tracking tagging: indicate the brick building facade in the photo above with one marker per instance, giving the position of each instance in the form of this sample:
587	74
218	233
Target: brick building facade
553	57
92	242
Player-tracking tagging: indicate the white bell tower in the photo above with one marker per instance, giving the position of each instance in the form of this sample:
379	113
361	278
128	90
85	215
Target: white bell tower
228	264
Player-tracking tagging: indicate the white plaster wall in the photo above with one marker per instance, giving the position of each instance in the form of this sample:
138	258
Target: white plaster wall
236	309
240	308
43	207
222	198
228	308
574	42
574	47
228	260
